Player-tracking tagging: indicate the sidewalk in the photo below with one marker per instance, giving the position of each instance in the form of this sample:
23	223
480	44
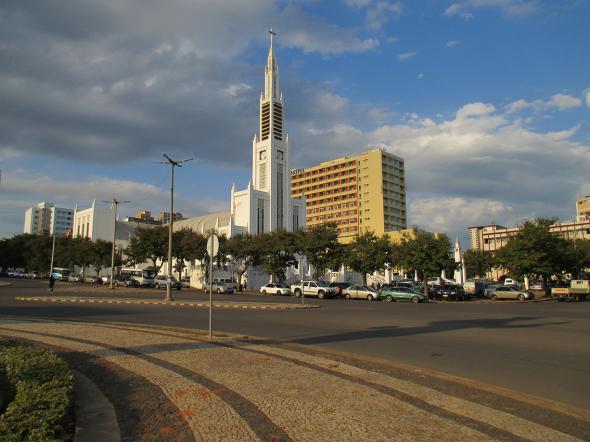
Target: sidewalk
173	384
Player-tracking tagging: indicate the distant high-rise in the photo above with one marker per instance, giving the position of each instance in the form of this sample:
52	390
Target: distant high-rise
164	217
583	207
47	219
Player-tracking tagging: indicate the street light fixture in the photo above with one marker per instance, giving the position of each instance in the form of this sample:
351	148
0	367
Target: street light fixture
115	204
173	164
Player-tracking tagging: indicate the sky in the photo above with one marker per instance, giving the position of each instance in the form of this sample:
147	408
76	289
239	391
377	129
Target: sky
488	101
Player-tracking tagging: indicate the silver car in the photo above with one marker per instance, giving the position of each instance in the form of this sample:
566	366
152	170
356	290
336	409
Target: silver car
504	292
360	292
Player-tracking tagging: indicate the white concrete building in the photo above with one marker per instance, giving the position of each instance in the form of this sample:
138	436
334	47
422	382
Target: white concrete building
97	223
47	219
265	205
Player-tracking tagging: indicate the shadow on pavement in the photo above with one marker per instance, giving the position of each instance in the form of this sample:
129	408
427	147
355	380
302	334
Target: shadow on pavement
432	327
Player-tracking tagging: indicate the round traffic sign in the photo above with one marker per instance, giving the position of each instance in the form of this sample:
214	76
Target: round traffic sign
212	245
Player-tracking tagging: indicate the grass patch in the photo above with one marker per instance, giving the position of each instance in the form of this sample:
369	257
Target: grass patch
39	386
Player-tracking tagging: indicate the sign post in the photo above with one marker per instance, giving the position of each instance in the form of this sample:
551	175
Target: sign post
212	250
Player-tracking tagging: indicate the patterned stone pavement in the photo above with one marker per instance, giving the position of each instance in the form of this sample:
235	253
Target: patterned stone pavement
174	384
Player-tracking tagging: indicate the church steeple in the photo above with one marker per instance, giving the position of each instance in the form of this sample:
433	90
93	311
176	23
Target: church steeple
271	102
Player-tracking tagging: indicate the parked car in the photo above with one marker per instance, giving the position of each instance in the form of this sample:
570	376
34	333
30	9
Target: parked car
162	280
34	275
17	274
3	274
511	282
490	289
340	287
361	292
220	287
92	280
314	288
505	292
275	289
125	281
449	292
474	287
74	278
389	294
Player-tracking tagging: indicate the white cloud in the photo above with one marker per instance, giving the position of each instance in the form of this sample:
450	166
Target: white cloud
444	214
563	102
406	56
478	166
587	94
381	12
452	43
558	101
511	8
30	188
420	76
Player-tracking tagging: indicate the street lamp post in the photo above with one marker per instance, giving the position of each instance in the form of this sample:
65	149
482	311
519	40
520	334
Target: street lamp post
52	255
173	164
115	204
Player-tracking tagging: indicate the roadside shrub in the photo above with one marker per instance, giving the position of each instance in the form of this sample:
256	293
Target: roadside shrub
42	384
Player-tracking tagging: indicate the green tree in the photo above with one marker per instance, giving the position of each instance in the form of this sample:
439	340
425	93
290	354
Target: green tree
478	263
427	254
101	253
535	252
321	248
368	254
187	245
149	244
37	251
278	252
245	251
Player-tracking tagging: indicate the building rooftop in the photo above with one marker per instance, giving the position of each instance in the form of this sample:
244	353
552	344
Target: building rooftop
204	222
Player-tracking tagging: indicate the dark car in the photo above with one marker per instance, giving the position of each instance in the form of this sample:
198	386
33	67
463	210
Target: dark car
125	281
448	293
340	287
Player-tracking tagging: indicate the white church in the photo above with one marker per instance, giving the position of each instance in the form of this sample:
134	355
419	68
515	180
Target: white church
265	205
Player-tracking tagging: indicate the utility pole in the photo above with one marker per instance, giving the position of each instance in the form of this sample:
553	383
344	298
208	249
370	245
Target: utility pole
173	164
114	203
52	254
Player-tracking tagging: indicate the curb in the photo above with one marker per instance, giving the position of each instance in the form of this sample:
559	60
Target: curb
198	304
96	418
4	284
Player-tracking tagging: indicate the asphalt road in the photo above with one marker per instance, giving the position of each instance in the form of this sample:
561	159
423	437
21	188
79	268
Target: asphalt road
538	348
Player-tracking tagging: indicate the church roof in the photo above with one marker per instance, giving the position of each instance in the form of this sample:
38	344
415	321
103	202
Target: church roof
204	222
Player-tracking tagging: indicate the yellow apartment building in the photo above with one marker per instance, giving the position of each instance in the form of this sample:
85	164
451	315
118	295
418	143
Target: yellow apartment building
363	193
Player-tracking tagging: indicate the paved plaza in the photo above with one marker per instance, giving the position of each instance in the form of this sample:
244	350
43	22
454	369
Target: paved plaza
175	384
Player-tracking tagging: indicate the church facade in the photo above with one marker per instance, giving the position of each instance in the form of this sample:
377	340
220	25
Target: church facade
265	205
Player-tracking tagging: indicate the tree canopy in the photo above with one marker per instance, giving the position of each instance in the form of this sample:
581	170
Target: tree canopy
367	254
535	251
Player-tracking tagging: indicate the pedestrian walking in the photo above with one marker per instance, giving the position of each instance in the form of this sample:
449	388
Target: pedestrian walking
52	280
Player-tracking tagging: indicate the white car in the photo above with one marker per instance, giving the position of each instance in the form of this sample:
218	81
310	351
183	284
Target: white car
275	289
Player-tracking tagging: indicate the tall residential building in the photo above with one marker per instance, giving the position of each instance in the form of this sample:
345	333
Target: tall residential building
46	219
364	193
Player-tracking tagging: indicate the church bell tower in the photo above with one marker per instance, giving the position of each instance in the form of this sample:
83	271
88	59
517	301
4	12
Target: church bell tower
270	149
